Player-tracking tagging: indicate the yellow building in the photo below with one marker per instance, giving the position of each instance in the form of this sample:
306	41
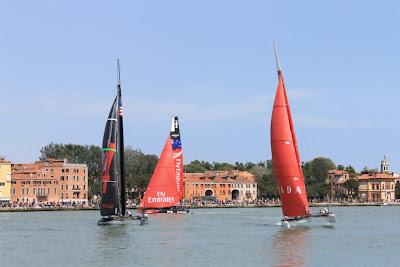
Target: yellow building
5	180
378	186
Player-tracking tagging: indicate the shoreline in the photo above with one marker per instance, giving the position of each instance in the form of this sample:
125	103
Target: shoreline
210	206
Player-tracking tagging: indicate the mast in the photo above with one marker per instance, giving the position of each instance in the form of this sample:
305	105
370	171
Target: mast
121	144
278	64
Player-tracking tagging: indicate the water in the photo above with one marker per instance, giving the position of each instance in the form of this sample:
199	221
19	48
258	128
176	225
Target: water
363	236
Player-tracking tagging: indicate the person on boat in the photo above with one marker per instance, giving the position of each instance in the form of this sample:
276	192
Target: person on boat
324	211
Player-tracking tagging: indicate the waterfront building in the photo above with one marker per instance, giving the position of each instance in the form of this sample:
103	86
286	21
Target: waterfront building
223	186
336	180
5	180
49	181
377	186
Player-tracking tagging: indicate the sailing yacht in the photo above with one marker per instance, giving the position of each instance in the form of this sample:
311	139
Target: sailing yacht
286	161
164	193
113	198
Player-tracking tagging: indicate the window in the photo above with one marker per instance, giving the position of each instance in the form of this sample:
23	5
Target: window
34	190
55	190
62	170
2	184
27	191
13	191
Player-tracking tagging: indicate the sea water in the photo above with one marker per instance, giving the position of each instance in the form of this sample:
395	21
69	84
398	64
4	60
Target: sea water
363	236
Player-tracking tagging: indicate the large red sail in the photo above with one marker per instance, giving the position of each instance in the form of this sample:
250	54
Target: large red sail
286	158
165	188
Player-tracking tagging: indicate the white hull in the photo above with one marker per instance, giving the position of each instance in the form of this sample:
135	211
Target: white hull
289	223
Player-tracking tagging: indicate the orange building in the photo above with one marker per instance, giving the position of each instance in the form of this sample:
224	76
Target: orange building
220	185
49	181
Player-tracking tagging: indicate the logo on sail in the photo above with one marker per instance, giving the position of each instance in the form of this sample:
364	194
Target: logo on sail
178	169
161	198
289	190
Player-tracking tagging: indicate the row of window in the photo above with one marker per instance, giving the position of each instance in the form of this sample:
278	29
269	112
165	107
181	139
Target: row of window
222	192
75	178
74	187
72	170
224	185
35	191
376	187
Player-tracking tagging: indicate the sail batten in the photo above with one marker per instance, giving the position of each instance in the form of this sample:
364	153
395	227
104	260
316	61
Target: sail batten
286	157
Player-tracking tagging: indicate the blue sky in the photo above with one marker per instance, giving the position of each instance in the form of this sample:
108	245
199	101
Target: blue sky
209	62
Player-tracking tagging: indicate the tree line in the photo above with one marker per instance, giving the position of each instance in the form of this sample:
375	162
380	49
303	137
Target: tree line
139	167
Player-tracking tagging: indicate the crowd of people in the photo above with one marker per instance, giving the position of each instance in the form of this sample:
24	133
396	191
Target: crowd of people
193	203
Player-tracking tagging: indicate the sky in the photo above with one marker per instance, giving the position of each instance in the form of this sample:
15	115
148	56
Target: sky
212	64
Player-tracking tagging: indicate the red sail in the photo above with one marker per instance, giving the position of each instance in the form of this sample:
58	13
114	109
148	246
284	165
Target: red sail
165	188
285	157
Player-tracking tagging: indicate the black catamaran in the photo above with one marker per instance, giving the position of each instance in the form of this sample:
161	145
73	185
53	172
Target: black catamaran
113	198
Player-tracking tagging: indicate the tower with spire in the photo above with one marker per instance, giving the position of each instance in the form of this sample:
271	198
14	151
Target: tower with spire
384	165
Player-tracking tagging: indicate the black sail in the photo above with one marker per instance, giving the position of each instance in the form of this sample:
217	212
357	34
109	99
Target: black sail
110	182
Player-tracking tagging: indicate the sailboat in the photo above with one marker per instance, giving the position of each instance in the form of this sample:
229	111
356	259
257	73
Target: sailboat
286	161
164	192
113	198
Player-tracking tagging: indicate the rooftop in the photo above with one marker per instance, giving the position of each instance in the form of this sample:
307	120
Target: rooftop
376	175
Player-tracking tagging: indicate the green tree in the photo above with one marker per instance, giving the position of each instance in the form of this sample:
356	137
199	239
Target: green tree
266	184
350	169
340	167
195	167
315	175
319	169
217	166
352	186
